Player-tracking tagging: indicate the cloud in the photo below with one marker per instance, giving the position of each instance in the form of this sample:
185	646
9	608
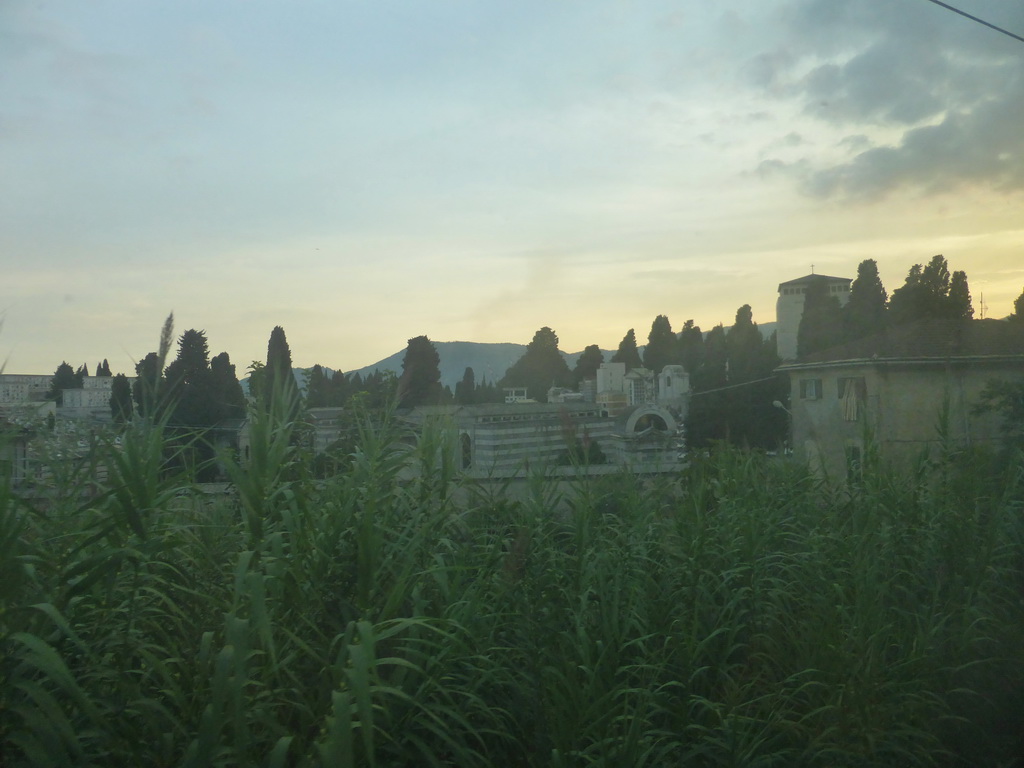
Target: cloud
935	101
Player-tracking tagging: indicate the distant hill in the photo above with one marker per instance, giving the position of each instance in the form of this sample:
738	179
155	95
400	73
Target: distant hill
488	361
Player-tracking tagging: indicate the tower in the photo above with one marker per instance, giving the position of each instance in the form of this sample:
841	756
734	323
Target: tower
789	307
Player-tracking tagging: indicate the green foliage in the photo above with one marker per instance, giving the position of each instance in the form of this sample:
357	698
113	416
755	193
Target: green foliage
465	390
959	306
736	614
1018	309
420	382
627	352
587	364
734	387
821	324
662	347
148	375
865	313
1007	399
276	380
121	407
318	388
63	378
540	368
691	347
931	292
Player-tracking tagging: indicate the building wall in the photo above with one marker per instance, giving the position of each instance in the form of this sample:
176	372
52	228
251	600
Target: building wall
789	308
902	409
22	388
610	378
508	440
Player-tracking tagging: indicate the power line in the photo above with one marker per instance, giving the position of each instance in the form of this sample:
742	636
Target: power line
975	18
733	386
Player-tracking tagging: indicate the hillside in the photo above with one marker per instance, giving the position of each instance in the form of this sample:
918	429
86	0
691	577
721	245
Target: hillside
488	361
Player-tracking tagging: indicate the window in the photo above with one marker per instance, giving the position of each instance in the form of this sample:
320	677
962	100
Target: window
852	392
810	389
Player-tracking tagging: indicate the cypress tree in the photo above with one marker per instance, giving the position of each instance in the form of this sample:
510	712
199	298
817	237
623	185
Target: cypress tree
420	383
865	313
662	347
627	352
121	399
959	305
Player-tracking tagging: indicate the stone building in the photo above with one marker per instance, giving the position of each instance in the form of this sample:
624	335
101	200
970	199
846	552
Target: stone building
904	390
505	440
789	307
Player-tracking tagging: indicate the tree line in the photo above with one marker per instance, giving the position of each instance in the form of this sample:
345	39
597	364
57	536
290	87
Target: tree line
732	371
929	292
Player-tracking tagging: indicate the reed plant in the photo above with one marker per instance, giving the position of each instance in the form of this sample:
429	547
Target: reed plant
740	613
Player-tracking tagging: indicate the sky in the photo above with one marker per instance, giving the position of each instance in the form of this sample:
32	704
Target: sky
360	172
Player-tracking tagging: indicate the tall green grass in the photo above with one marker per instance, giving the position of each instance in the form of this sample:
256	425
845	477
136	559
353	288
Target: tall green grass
739	614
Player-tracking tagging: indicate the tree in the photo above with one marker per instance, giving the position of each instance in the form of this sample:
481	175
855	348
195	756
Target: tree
121	399
865	313
821	325
63	378
420	382
192	361
225	388
627	352
743	347
662	347
465	390
318	392
931	292
339	389
691	347
1018	309
587	364
959	305
750	417
277	379
82	373
708	417
147	383
541	367
191	384
103	369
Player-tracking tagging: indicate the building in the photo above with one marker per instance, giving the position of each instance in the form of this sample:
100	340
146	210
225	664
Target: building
789	307
616	389
16	388
506	440
904	390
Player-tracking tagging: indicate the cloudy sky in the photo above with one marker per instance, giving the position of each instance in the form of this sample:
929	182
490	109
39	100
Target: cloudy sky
364	171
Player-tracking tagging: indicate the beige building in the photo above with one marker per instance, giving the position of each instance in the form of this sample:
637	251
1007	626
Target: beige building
507	440
789	307
905	390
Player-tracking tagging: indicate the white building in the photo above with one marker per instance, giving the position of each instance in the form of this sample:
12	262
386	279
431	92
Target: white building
789	307
18	388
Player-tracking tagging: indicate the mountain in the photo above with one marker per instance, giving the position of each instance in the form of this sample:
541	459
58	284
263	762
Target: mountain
488	361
